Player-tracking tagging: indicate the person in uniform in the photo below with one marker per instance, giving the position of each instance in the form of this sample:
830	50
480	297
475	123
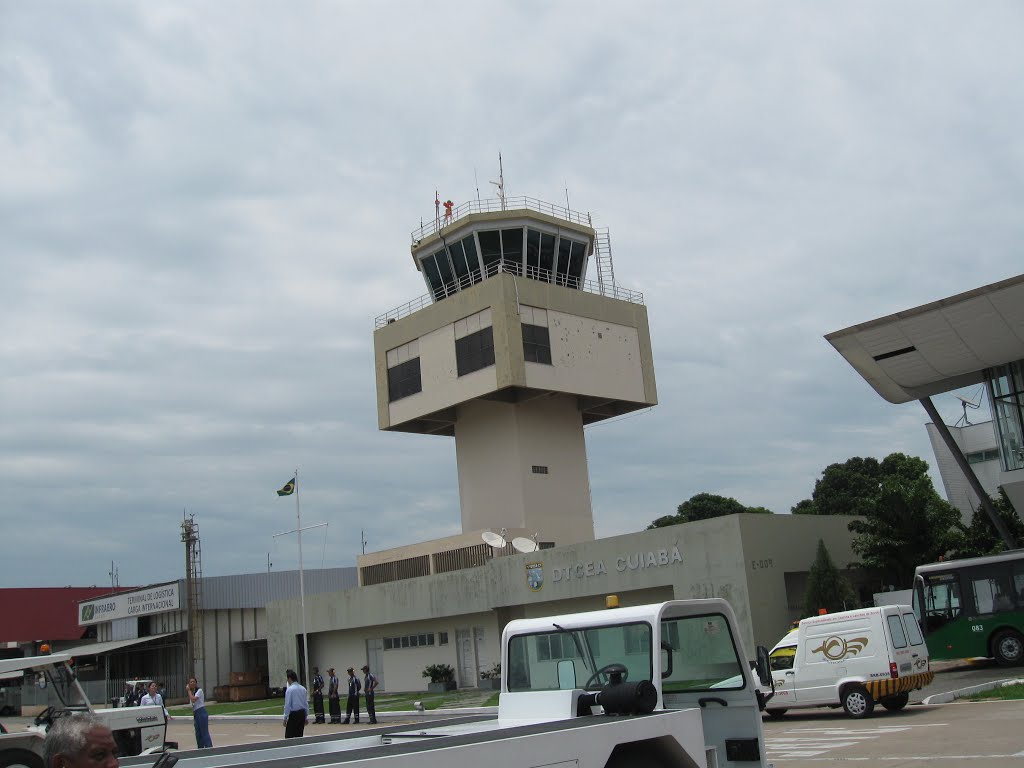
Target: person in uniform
318	695
369	686
352	708
332	697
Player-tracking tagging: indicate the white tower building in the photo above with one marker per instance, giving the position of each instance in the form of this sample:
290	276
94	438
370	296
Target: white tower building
512	352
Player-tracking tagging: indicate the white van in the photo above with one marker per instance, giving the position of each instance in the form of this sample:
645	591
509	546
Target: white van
851	659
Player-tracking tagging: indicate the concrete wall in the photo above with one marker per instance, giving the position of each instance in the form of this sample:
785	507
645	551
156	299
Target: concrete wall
498	444
773	545
590	357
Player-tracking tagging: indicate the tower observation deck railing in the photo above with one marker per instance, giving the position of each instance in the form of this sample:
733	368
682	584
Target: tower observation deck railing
492	205
509	268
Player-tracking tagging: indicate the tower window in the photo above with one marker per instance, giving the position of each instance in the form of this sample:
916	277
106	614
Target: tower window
536	344
475	351
404	380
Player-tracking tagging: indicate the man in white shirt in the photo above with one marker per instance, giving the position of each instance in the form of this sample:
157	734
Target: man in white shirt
154	699
296	707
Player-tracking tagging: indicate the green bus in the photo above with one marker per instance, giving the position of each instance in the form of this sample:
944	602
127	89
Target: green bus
973	607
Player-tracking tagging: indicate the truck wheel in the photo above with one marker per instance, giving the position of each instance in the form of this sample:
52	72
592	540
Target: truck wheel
20	758
775	712
857	702
897	702
1008	648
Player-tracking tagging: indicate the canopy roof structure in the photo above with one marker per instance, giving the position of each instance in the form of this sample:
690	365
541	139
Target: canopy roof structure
940	346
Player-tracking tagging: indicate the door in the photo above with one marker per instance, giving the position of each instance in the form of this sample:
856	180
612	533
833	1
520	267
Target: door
900	644
781	664
483	662
466	658
375	659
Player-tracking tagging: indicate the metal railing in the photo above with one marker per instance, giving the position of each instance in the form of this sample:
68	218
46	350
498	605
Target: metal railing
492	205
510	268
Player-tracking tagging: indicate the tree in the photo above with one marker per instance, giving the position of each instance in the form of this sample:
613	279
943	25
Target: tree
805	507
826	587
980	537
705	506
845	489
906	525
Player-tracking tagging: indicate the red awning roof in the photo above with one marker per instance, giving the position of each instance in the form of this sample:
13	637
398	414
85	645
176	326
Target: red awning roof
44	614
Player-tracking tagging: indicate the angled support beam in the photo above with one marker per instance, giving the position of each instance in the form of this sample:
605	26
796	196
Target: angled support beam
972	478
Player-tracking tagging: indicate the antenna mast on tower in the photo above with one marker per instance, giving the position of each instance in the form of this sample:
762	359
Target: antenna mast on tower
194	590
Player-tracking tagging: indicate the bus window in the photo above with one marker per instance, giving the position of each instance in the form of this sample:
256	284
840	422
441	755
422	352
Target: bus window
991	591
1018	583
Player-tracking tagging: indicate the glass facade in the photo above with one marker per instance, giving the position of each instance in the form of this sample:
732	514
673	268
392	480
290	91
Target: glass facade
1006	393
544	256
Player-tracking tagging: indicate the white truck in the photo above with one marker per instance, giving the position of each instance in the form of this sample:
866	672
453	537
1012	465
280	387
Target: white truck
649	686
137	730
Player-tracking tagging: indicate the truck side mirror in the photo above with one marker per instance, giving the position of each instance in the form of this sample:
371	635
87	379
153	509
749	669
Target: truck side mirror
764	672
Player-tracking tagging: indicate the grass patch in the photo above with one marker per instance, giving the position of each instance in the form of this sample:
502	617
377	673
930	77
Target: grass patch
1004	693
386	702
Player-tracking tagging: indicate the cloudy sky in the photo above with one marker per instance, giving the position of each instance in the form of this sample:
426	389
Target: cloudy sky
203	207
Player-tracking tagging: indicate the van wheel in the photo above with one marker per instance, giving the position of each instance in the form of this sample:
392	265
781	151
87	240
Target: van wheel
775	712
857	702
897	702
1008	648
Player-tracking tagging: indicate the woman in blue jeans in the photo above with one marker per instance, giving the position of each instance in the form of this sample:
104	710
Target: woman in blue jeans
200	719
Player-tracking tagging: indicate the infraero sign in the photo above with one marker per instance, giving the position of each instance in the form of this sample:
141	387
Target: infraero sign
142	602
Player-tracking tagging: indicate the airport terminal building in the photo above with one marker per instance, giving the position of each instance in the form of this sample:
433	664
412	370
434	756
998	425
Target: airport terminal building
758	562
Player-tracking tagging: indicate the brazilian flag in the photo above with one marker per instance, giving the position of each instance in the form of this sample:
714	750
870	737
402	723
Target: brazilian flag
289	488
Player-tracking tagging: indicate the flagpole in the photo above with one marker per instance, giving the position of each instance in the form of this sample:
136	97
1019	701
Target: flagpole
302	582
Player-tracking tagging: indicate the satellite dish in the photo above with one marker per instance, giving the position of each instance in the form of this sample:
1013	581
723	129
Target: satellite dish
965	404
496	540
525	545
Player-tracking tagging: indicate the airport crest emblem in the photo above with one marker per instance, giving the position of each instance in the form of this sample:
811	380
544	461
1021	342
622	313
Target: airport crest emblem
535	576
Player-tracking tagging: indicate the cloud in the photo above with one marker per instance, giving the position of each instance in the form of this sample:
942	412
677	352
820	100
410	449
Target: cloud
205	207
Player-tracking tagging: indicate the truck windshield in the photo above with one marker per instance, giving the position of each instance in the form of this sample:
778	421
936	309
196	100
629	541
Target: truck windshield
533	660
704	655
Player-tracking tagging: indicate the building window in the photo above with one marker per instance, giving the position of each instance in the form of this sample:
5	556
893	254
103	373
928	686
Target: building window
411	641
475	351
536	344
404	380
442	638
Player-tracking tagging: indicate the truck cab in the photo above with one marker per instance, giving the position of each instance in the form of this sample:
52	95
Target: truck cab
137	730
687	651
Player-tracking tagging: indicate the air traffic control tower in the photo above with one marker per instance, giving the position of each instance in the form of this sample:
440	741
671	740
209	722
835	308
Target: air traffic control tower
512	352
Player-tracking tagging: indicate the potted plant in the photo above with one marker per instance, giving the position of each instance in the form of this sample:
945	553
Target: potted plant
491	678
442	678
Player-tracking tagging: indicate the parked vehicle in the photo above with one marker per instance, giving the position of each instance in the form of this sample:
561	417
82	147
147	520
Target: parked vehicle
137	730
851	659
650	686
973	607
